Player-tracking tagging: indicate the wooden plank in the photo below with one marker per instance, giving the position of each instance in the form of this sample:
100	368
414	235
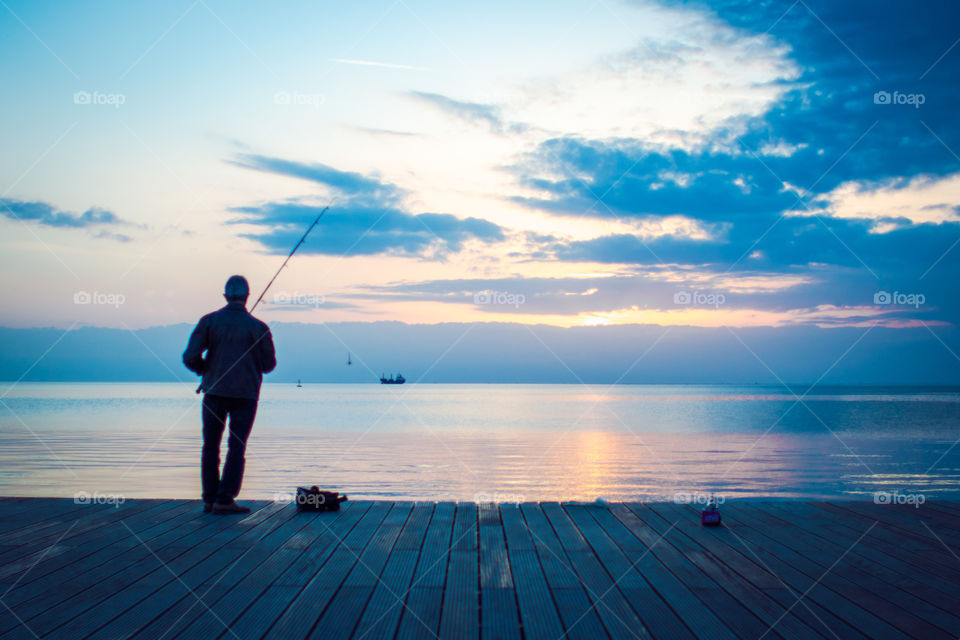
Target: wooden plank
578	616
916	545
821	547
421	615
161	569
499	614
36	512
735	552
319	539
538	612
75	597
346	609
55	535
557	568
494	562
832	592
618	617
84	517
909	556
109	598
93	549
499	618
738	618
216	576
460	615
884	546
678	596
57	586
627	557
29	512
412	535
299	620
465	527
382	614
907	521
948	506
432	565
515	528
237	596
752	585
566	531
771	613
314	542
184	573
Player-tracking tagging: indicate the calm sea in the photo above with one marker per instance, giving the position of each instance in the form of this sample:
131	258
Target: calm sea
493	442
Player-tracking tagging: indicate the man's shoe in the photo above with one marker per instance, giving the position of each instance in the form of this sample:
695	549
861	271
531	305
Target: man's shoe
207	507
230	507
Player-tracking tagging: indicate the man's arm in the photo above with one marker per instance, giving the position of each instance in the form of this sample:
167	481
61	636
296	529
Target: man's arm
193	355
268	356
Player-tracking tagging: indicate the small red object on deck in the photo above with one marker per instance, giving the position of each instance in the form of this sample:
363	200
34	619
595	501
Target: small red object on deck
710	517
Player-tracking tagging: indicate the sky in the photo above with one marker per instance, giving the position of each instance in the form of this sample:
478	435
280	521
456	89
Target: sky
670	164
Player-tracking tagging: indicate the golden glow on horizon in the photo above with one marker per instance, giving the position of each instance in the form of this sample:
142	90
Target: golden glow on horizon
826	316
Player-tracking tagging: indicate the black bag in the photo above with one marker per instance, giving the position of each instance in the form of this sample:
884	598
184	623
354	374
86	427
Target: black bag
313	499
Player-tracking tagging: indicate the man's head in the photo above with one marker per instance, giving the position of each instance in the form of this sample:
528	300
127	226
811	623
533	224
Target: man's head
236	289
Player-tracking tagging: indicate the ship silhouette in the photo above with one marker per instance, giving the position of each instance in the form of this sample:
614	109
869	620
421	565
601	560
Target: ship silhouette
391	380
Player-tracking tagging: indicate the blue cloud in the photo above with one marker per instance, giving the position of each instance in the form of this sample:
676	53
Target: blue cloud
473	112
346	183
840	122
368	218
48	215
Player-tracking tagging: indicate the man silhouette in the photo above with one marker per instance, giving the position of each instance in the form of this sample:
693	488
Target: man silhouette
239	350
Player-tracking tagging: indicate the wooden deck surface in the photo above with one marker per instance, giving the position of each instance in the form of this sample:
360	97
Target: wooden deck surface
157	569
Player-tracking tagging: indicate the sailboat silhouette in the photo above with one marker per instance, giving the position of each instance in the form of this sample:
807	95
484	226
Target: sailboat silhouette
348	359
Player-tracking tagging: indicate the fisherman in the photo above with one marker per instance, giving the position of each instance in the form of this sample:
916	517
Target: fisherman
239	350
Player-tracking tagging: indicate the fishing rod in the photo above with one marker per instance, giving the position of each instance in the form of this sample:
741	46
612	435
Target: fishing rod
290	255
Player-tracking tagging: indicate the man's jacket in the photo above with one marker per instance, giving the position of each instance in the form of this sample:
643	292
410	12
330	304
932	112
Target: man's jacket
239	351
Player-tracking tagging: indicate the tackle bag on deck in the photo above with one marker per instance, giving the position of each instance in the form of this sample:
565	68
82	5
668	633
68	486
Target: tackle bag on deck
313	499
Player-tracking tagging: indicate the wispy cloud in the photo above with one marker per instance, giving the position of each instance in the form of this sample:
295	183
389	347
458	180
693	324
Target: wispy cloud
473	112
373	63
48	215
370	216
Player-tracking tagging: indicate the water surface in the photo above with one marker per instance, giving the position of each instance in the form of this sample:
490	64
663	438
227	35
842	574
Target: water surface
492	442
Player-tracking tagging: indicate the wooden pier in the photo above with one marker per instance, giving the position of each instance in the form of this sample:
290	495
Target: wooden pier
159	569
